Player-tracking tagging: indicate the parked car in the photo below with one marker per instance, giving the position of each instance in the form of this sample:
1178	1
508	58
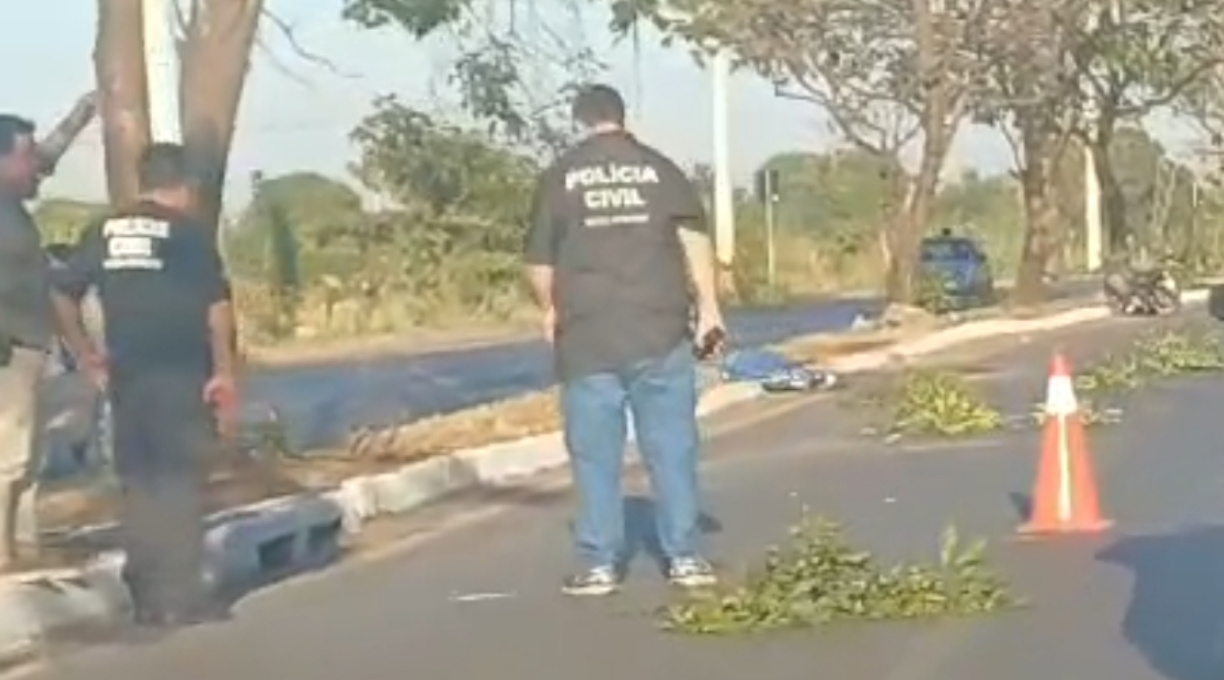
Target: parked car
959	270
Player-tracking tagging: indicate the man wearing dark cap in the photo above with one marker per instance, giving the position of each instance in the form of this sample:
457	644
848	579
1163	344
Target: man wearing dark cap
169	360
620	260
26	325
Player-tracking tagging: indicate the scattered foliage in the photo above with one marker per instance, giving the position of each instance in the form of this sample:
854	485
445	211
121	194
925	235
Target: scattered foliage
819	578
1174	353
1156	356
940	403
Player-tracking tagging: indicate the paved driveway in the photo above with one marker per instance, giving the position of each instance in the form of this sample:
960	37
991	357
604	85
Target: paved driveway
480	601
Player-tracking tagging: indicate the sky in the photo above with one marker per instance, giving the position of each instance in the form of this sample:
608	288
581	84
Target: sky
297	115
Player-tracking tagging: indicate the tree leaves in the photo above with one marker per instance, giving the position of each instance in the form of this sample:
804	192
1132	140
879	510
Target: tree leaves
820	578
514	65
419	17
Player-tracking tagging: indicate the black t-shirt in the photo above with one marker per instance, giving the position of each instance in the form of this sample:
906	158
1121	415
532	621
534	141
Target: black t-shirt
607	217
157	274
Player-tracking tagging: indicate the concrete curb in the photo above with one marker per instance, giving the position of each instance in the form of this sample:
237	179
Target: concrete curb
258	542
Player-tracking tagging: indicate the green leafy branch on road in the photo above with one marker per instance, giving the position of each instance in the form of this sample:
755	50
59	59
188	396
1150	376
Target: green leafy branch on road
1153	357
1173	353
1156	356
819	577
939	403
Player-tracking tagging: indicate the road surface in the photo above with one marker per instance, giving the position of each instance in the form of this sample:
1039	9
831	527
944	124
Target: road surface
323	402
474	595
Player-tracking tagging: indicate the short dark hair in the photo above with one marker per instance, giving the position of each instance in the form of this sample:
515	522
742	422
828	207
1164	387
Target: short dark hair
12	128
59	251
596	104
163	165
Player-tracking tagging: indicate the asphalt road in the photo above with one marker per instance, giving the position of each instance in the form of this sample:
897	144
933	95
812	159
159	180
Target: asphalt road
474	594
321	403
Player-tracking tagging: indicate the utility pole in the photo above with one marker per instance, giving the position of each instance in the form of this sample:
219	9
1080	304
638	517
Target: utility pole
1093	228
767	181
161	69
724	202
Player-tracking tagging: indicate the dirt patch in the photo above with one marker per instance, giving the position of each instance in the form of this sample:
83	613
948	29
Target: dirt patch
96	501
251	479
822	349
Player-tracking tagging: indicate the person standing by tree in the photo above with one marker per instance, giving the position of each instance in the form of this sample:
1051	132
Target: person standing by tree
619	257
169	360
26	325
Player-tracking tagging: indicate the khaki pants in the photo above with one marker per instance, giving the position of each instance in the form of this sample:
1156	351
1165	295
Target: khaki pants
19	447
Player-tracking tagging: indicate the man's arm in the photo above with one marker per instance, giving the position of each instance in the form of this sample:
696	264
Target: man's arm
699	254
222	325
52	147
689	216
222	331
69	284
541	245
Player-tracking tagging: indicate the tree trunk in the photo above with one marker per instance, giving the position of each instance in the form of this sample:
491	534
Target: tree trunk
908	228
1041	217
1113	201
215	59
123	94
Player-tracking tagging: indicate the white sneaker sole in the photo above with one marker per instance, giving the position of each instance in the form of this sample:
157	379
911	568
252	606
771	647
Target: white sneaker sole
600	590
694	581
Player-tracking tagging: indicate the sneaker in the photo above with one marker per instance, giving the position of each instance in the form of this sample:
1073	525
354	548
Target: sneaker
593	582
691	572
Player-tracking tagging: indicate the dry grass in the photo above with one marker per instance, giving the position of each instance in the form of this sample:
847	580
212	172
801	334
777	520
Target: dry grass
96	501
821	349
235	485
525	416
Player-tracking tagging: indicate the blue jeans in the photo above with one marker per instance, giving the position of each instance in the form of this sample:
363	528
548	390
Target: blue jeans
662	395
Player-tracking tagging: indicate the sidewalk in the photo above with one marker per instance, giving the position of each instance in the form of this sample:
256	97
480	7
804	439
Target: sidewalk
482	602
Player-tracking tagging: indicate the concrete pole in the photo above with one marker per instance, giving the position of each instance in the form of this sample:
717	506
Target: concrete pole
724	201
162	67
1093	231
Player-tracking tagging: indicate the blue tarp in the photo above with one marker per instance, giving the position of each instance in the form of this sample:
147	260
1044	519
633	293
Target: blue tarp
773	372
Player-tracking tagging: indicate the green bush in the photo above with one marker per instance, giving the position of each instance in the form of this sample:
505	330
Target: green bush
821	578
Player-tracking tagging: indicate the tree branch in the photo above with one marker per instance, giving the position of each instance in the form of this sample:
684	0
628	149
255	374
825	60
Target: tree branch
289	34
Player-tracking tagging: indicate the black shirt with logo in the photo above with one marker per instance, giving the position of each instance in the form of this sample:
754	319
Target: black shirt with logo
157	273
25	307
607	216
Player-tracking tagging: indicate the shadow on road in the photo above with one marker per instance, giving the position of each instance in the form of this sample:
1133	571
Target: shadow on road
1176	613
642	534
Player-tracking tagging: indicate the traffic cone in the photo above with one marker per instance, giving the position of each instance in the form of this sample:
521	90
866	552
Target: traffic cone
1065	498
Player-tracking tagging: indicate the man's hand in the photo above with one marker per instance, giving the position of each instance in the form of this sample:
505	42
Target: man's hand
221	392
87	105
709	320
548	324
94	364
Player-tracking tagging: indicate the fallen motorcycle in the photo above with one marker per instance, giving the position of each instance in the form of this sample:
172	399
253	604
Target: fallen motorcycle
1142	293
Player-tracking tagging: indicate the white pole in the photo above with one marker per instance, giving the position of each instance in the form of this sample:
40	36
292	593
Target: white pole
1093	231
161	69
771	252
724	205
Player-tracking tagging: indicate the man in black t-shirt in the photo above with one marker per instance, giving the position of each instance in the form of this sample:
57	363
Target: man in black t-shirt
619	258
168	363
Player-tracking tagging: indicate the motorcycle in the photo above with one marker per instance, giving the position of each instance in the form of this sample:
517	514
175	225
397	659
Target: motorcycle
1142	293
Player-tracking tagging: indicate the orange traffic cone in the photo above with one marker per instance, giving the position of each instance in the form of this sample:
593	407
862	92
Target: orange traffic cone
1065	498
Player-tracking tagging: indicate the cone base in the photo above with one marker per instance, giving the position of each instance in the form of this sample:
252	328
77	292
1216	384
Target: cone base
1033	530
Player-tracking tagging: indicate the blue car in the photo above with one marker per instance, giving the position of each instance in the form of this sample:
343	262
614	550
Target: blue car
962	267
